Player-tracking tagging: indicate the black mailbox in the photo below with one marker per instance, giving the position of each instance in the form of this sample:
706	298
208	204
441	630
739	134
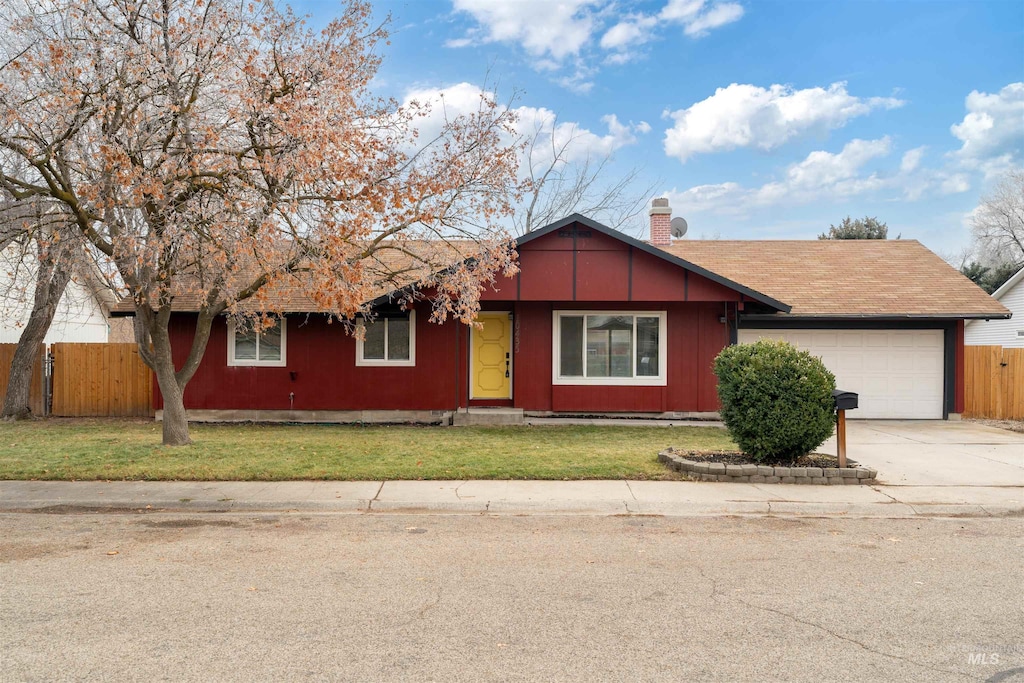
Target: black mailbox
845	400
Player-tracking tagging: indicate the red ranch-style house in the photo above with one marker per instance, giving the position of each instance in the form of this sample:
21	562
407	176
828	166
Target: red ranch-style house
597	322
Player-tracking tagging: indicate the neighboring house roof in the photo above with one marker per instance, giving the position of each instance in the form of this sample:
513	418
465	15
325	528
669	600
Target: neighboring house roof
847	278
1011	295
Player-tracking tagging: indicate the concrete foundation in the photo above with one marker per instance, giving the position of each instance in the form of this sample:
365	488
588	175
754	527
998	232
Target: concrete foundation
321	416
471	417
693	415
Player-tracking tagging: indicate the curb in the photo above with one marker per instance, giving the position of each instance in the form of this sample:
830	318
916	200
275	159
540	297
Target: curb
596	508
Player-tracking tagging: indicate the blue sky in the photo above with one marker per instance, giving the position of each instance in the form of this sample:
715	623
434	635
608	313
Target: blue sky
757	119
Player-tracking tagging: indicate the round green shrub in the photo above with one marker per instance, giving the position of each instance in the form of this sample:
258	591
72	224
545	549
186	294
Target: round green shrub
776	399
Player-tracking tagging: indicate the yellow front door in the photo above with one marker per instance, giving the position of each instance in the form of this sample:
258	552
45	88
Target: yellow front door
491	359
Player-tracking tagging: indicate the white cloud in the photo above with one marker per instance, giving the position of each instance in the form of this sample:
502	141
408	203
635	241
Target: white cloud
681	11
821	175
717	15
541	27
955	184
635	30
743	115
458	42
552	32
696	17
992	131
827	176
912	159
537	123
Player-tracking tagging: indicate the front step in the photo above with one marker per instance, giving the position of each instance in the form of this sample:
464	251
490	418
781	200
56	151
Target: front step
475	417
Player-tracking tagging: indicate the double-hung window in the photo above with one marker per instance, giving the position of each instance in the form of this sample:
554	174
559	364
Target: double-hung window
610	348
265	348
387	340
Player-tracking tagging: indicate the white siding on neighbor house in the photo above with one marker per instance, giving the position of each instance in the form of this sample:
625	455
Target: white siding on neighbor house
79	317
1008	333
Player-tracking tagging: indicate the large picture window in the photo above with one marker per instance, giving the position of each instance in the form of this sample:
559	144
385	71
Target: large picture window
388	340
598	347
266	348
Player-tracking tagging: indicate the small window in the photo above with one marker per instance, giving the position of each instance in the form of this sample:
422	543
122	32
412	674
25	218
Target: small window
266	348
388	341
1020	333
610	348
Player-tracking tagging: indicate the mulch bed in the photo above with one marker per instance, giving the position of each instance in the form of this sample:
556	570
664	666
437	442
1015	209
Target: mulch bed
741	458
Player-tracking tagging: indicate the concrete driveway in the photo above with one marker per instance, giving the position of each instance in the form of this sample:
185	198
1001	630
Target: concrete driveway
935	453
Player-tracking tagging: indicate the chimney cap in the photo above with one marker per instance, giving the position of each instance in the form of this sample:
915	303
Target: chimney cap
659	206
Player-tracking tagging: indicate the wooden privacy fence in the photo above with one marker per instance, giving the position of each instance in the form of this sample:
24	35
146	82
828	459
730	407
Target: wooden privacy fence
36	393
994	382
100	380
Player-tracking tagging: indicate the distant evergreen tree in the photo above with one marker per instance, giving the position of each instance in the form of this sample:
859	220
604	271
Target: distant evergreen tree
976	273
867	228
998	275
989	278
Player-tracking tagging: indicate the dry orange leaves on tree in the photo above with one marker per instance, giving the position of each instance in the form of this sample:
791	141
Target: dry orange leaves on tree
217	150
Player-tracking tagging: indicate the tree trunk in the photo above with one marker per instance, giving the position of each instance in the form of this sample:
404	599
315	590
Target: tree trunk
51	281
153	327
175	422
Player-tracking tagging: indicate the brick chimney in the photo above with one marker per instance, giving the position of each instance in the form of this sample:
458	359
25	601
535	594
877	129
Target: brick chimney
661	215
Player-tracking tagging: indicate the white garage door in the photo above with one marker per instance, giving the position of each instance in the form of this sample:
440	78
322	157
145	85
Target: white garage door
898	373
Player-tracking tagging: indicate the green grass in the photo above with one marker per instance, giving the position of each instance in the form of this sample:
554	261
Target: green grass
130	449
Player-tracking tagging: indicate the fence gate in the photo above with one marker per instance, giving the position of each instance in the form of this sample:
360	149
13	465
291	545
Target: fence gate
100	380
36	389
994	382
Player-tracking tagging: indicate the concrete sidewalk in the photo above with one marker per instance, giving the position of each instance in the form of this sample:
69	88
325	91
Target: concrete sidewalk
668	498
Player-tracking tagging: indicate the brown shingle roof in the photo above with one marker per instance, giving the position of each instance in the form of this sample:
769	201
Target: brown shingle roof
391	269
823	278
845	278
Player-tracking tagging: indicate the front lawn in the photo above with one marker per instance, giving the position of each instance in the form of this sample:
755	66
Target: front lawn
129	449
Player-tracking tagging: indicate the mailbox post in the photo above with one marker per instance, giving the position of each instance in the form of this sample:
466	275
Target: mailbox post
844	400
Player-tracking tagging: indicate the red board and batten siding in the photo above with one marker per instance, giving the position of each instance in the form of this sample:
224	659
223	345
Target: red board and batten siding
600	269
322	356
571	269
695	336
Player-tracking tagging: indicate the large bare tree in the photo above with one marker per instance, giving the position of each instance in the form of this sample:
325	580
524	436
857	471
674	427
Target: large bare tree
215	149
998	222
43	251
564	180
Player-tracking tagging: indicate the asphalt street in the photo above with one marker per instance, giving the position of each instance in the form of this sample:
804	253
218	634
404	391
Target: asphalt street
379	597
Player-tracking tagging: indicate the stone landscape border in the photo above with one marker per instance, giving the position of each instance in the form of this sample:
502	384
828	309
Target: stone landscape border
767	474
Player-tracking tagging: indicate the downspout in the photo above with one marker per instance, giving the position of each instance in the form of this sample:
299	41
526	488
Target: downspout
734	326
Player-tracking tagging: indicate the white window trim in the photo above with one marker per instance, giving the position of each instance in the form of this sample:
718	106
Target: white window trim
238	363
556	342
376	362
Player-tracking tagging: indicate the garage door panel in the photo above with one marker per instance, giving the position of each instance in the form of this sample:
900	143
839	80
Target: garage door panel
876	362
898	373
852	341
825	340
876	340
849	363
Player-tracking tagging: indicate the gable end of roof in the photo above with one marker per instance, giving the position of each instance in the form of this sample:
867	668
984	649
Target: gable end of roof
654	251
